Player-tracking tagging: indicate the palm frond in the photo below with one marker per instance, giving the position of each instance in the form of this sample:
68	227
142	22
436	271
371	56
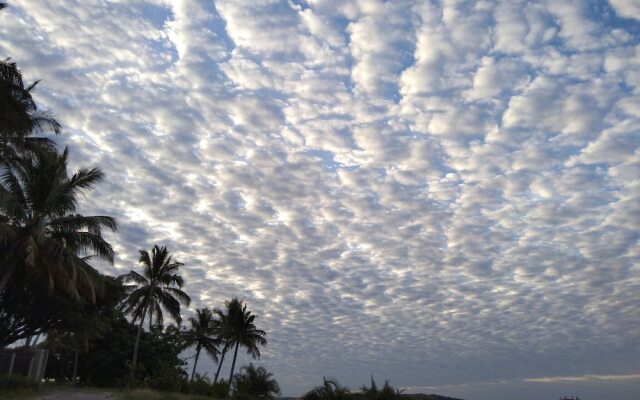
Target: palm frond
43	121
133	276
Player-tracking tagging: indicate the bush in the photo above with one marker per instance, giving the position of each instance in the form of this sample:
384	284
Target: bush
330	390
16	383
257	383
166	379
203	386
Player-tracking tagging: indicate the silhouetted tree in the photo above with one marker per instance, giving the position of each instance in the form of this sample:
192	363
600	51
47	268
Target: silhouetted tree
202	334
157	289
40	232
238	329
20	118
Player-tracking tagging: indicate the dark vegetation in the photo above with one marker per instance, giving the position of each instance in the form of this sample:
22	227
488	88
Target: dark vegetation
52	296
332	390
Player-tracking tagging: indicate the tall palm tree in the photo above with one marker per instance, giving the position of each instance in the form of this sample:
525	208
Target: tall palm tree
20	118
41	234
158	288
238	329
220	324
203	335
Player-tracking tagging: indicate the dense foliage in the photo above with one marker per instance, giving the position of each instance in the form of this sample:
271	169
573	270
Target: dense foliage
255	382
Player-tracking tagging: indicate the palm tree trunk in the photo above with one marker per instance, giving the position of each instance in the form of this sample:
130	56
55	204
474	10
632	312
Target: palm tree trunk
195	363
75	367
224	352
150	319
136	346
233	364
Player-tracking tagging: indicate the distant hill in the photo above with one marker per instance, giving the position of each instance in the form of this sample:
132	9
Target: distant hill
407	396
422	396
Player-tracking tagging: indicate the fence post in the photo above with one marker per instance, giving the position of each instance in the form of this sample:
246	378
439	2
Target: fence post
36	365
11	362
43	369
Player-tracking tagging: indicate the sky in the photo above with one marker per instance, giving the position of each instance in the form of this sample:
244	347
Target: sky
444	193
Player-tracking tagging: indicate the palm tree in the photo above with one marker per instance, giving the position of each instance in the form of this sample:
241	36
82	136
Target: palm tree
158	288
256	382
238	329
219	324
20	117
41	234
330	390
202	335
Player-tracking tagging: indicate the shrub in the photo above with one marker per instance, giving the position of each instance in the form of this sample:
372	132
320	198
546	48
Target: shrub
201	385
255	383
330	390
166	379
16	383
387	392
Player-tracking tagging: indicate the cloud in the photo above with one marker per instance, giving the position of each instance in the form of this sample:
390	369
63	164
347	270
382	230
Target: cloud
627	9
427	191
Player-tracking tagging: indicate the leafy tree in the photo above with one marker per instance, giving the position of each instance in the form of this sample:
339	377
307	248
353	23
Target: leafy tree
27	310
157	289
238	329
330	390
41	233
86	323
256	382
106	363
203	335
20	117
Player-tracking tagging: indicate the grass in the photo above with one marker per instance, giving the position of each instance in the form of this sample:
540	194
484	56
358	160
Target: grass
148	394
44	390
136	394
17	387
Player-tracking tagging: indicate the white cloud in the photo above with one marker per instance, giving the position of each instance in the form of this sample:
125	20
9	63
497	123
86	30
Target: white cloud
426	191
626	8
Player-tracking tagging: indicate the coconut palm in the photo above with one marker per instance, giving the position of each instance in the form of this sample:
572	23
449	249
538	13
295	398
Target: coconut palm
256	382
203	335
222	339
20	118
41	234
157	289
238	329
